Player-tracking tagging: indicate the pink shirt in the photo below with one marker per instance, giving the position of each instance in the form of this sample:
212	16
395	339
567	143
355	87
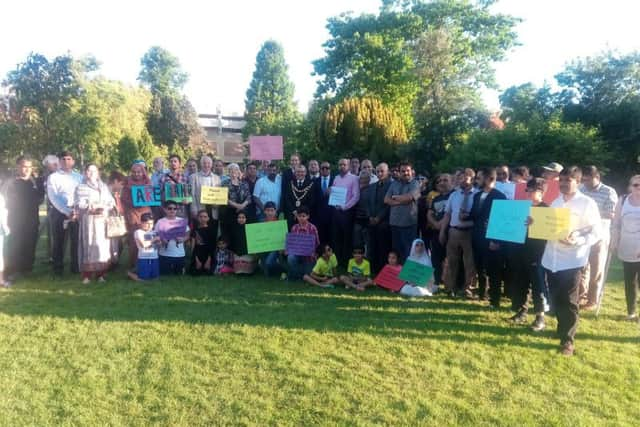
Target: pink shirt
352	184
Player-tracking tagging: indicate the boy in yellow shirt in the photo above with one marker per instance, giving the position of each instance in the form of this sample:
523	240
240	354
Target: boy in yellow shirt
358	274
324	272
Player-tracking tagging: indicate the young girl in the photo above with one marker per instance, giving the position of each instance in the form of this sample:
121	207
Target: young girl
4	231
419	255
203	245
147	242
243	263
324	272
358	274
223	258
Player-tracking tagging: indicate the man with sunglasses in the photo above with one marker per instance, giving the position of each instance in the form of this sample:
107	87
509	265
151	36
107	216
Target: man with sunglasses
323	212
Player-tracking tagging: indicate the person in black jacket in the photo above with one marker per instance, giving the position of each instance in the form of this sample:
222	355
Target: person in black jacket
379	231
322	214
301	191
488	254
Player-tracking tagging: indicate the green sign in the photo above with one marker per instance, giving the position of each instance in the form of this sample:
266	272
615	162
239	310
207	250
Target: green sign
177	192
416	273
266	236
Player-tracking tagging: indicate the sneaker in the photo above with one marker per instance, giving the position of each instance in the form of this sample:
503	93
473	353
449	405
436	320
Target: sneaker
588	306
6	284
538	324
633	317
567	349
519	317
101	279
283	276
86	281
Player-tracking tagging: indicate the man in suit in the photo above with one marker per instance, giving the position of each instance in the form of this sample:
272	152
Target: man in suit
488	254
321	215
379	231
288	173
301	191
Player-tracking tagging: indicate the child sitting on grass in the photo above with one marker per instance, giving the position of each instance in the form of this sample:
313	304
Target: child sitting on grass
324	272
223	258
147	242
243	263
358	272
301	265
203	245
271	264
419	255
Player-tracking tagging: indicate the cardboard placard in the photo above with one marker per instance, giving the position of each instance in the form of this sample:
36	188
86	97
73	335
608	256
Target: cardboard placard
177	192
507	220
214	195
266	236
265	147
416	273
301	244
338	196
388	278
550	223
145	195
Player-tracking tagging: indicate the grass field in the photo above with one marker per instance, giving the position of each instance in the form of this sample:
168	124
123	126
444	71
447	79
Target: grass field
247	351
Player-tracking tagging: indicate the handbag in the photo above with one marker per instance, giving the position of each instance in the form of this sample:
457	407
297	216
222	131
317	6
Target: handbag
116	226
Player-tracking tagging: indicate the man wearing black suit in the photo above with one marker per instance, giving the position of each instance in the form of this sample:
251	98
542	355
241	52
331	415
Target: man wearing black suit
488	254
301	191
321	216
379	230
289	173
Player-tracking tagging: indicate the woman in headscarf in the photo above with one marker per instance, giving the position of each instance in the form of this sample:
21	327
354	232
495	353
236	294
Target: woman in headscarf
419	255
92	202
133	214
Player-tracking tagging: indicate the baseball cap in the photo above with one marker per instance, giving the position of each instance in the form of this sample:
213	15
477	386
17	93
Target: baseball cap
553	167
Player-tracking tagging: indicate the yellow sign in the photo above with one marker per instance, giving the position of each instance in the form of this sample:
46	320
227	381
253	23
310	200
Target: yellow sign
550	223
214	195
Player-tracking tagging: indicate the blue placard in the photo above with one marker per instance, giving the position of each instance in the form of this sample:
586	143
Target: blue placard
145	195
507	220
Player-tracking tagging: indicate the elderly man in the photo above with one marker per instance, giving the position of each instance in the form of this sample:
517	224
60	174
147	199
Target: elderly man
606	198
343	214
288	173
379	231
158	171
301	191
402	198
204	178
24	195
367	166
61	187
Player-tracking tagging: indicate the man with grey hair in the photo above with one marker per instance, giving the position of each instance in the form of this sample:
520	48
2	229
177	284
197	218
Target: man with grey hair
158	171
379	231
204	178
300	191
367	166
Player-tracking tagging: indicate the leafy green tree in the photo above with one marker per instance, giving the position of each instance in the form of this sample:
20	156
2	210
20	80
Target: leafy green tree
172	121
526	103
362	127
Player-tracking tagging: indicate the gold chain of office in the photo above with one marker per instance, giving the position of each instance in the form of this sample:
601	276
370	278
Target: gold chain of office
296	193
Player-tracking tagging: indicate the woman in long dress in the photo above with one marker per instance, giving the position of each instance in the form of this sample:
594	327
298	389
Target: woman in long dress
93	201
133	214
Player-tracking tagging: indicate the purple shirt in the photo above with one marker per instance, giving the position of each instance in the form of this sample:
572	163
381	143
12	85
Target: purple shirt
352	184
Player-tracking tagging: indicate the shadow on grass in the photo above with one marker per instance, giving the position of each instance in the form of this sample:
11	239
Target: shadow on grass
269	303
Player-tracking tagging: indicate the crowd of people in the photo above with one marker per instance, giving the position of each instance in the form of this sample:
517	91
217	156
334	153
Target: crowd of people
388	215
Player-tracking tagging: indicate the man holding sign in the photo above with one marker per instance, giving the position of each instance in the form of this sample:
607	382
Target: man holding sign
343	214
205	179
565	259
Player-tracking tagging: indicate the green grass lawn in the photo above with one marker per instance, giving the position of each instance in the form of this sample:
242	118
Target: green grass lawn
247	351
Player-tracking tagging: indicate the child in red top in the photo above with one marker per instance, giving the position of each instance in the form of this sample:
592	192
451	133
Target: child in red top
301	265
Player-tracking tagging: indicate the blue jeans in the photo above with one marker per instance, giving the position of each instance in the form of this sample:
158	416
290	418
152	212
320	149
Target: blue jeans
271	264
401	240
298	266
539	289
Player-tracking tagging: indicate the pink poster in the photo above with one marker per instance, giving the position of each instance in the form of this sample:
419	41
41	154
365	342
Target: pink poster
265	147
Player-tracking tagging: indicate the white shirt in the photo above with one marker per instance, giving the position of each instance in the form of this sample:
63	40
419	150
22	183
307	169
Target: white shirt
585	219
61	187
454	204
150	252
268	191
173	249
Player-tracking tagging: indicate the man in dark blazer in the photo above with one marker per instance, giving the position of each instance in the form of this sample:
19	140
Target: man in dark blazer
321	215
301	191
379	230
488	254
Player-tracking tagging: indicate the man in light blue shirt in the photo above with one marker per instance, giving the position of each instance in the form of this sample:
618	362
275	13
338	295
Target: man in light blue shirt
267	189
61	187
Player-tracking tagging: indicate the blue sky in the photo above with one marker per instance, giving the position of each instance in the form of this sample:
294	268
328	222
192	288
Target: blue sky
217	41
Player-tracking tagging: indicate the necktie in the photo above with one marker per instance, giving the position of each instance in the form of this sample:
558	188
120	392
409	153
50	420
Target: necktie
324	183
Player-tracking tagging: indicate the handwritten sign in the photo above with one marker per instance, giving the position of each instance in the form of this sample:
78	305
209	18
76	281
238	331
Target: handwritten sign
416	273
214	195
145	195
550	223
266	236
507	188
338	196
552	192
301	244
265	147
507	220
177	192
172	229
388	278
521	191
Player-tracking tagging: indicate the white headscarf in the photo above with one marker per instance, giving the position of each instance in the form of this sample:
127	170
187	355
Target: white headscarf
422	258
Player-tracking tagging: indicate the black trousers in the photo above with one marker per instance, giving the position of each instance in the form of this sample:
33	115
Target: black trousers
379	245
564	287
438	254
60	236
489	266
21	245
631	277
521	275
342	235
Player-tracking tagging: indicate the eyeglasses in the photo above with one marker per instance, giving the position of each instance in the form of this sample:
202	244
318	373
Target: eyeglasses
171	209
325	167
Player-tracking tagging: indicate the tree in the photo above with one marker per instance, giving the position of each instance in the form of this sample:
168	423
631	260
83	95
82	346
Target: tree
172	121
527	103
161	71
269	104
361	127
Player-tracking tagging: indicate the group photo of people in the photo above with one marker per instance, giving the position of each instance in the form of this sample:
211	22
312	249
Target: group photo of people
387	215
